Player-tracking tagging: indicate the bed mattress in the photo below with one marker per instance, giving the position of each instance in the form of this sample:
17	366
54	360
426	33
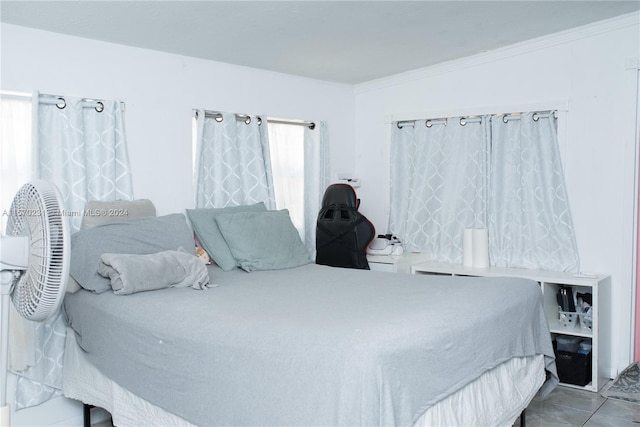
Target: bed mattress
341	346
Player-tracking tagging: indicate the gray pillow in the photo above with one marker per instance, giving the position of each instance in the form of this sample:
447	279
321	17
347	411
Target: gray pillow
204	224
136	236
263	240
97	212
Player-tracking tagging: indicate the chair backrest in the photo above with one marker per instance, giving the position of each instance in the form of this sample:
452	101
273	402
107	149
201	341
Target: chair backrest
342	233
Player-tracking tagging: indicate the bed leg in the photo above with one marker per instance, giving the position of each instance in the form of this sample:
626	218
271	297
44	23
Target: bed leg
522	418
87	415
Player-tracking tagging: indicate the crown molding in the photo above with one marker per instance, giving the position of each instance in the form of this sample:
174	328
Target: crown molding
567	36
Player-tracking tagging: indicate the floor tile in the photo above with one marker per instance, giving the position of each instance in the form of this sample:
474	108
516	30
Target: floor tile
556	416
620	410
572	407
598	420
573	398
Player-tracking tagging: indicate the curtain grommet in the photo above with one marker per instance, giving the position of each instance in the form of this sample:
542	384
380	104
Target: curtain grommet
312	126
218	118
463	121
535	117
62	104
428	123
100	107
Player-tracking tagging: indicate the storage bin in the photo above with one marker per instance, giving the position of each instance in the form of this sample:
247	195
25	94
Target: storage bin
585	347
568	344
572	320
567	319
573	368
585	320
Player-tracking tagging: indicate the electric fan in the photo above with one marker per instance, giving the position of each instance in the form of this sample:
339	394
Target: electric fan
34	264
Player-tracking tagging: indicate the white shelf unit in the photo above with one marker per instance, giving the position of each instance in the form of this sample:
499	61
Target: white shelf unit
396	263
599	286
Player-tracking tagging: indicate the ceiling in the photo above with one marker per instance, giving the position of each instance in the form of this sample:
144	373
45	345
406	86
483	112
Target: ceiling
339	41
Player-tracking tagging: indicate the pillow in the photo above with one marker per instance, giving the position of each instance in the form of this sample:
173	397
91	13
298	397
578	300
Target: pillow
204	224
120	210
98	213
263	240
136	236
72	285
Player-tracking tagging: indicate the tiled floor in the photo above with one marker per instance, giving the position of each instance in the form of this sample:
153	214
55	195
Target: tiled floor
571	407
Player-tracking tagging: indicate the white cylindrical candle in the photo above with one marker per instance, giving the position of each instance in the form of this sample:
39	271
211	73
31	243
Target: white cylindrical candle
467	247
480	247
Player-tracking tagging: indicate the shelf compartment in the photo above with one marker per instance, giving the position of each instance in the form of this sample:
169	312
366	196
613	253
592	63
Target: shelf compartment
572	323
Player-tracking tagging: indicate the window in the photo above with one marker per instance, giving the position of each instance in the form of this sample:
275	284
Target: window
502	172
231	167
286	146
15	148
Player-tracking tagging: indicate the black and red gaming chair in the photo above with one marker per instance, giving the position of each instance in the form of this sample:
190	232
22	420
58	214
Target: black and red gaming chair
342	233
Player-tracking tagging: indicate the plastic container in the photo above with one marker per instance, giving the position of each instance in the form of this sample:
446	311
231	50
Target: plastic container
585	320
573	320
568	319
573	368
568	344
585	347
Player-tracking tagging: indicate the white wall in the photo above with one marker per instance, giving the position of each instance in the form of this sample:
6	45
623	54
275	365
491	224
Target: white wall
160	91
585	69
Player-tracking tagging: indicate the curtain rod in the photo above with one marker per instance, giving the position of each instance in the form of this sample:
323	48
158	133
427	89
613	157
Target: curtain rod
247	119
506	117
310	125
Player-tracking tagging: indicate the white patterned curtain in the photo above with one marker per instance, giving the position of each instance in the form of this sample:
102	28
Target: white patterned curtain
530	223
83	152
438	184
316	179
232	162
506	177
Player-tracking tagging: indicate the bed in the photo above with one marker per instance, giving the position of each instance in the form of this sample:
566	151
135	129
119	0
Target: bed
306	345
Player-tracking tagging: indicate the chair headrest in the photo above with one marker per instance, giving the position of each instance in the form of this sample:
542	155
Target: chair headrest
340	194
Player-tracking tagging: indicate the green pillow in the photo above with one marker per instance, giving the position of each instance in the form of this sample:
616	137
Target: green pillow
204	224
263	240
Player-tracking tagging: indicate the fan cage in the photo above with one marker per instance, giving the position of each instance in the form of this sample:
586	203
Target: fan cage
37	213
